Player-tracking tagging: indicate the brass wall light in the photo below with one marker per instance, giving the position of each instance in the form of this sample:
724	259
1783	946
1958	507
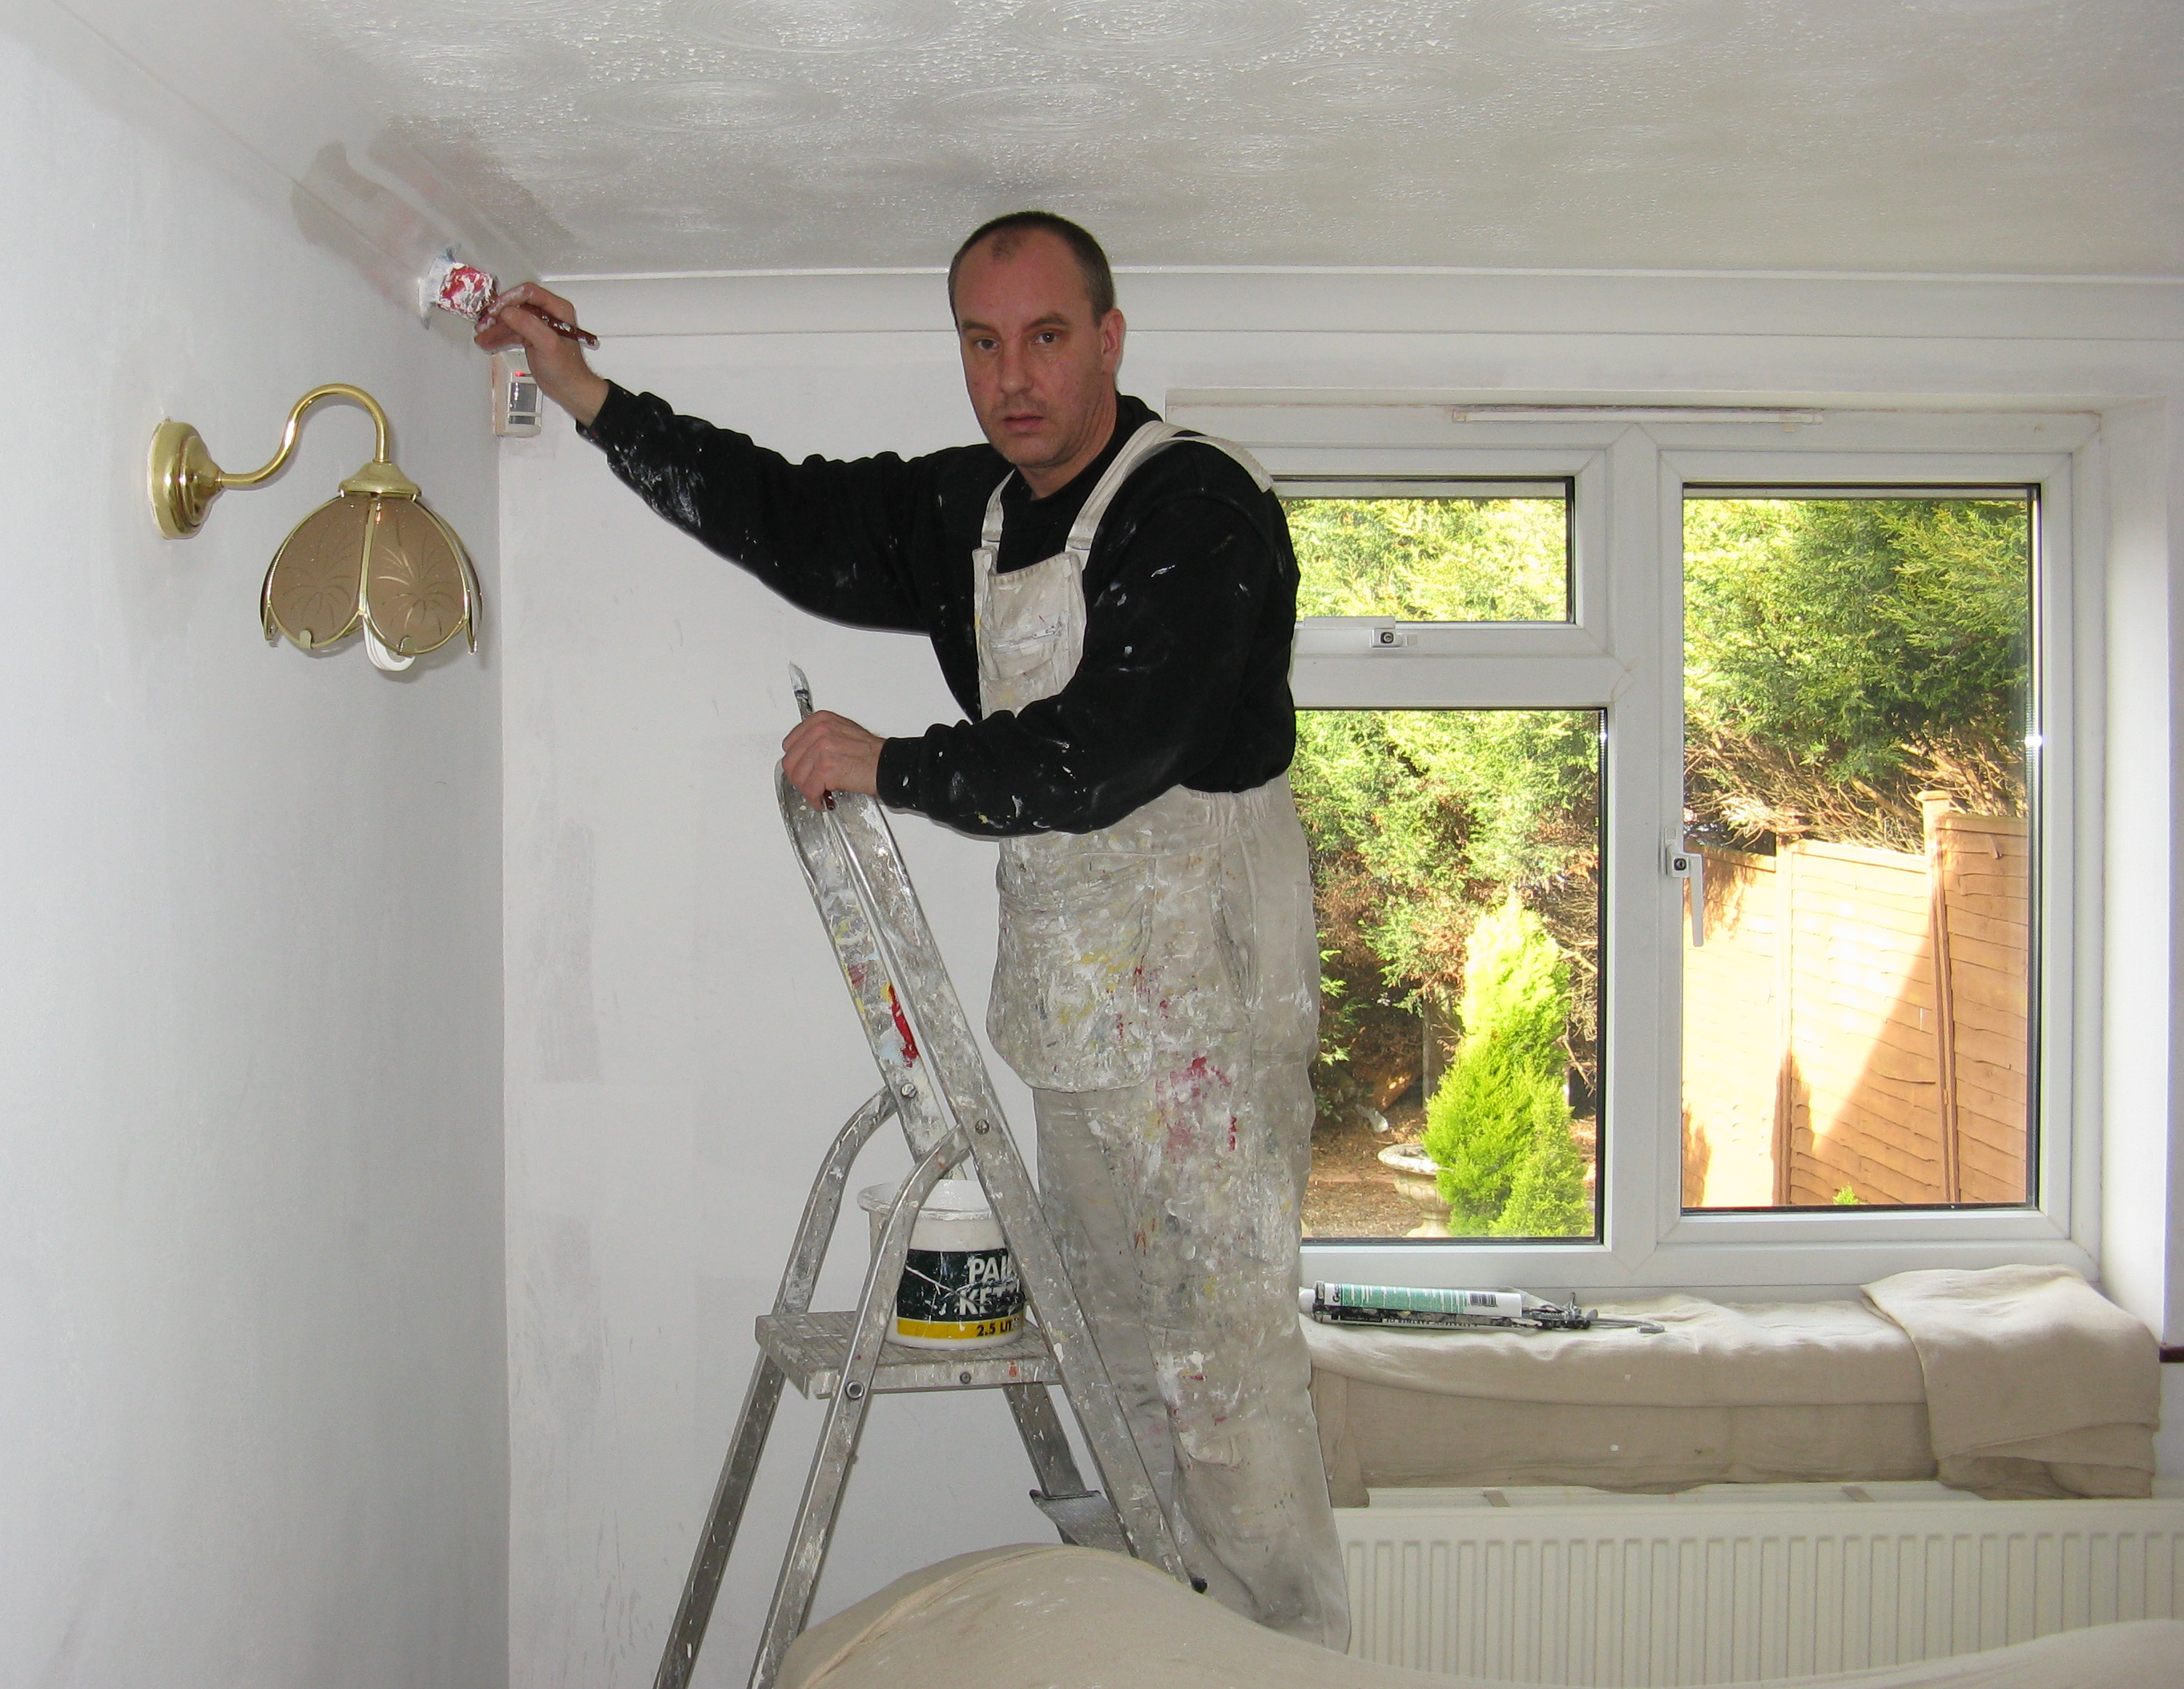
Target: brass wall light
375	558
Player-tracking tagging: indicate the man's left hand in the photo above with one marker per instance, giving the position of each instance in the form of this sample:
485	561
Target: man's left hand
831	753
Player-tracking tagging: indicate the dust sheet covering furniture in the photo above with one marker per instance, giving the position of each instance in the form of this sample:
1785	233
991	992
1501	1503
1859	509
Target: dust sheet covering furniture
2012	1382
1078	1618
2037	1386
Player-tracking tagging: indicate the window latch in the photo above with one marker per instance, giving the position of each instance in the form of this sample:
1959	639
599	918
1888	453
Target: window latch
1679	860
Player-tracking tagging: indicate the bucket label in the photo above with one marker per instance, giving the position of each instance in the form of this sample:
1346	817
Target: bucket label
958	1293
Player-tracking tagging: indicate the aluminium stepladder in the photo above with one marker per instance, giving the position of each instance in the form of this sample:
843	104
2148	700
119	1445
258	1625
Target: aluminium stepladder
934	1082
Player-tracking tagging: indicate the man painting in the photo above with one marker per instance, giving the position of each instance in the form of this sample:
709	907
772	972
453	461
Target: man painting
1112	602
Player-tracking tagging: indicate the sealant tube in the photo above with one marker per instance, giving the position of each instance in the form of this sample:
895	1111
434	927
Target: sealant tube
1409	1299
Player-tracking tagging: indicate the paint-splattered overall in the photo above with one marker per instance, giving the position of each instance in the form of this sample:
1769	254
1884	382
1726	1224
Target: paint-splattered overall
1158	986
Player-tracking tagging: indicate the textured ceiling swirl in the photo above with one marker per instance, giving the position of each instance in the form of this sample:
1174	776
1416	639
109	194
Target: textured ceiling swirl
1954	135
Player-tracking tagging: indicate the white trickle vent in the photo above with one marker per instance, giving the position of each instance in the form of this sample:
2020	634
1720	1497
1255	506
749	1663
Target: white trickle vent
1739	1582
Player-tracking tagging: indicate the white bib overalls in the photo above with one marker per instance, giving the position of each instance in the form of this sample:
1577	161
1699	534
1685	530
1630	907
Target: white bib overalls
1158	986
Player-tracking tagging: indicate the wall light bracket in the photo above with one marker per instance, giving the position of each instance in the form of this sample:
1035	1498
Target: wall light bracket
376	559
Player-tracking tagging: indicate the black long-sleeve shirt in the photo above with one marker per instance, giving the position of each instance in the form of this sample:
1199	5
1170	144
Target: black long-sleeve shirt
1189	593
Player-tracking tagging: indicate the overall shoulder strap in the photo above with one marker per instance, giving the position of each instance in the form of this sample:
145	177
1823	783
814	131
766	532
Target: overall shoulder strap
989	535
1150	438
1251	467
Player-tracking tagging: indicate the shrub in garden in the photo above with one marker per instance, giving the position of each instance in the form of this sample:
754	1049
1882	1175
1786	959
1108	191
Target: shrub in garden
1498	1126
1546	1198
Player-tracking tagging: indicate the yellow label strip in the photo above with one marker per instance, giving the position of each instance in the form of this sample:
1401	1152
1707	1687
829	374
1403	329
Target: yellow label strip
957	1328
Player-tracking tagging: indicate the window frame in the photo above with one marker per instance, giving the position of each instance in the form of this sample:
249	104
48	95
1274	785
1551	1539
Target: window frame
1349	635
1616	653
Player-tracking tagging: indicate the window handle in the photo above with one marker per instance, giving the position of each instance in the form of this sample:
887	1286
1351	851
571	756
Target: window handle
1680	861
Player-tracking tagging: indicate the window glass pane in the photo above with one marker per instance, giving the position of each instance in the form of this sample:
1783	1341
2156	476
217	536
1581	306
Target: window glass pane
1859	702
1498	554
1455	864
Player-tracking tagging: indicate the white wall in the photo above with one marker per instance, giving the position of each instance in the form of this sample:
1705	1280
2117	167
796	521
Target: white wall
252	1379
680	1048
678	1044
263	1370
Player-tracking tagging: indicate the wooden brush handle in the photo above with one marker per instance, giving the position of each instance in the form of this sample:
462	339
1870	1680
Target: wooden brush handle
567	330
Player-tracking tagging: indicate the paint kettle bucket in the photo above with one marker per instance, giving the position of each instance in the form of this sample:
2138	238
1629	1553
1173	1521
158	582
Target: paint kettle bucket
960	1289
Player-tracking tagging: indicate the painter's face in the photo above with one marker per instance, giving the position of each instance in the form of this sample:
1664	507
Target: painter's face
1039	367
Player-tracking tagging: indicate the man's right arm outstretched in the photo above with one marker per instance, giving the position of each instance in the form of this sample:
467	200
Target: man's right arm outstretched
828	536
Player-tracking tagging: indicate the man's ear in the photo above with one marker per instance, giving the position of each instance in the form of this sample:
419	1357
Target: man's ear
1111	328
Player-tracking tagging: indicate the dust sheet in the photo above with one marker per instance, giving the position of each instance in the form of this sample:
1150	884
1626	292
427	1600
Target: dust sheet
1076	1619
2036	1384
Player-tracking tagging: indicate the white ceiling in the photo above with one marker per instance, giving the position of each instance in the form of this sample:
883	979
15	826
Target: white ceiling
2039	137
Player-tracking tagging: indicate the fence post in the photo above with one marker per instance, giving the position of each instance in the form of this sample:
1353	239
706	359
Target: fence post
1785	1048
1932	806
1433	1053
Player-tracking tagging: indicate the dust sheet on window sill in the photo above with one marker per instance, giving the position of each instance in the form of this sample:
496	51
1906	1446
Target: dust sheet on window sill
1759	1393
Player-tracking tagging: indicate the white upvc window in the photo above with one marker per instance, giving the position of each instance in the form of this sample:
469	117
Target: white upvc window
1614	654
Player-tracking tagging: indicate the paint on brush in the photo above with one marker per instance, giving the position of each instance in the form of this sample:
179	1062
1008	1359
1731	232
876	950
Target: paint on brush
469	292
462	288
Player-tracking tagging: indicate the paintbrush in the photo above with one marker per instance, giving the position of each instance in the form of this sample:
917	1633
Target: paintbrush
469	292
567	330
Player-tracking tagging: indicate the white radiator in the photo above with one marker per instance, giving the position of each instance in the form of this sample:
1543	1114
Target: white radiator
1734	1583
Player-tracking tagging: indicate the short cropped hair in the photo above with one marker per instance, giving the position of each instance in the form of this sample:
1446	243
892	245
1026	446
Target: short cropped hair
1007	232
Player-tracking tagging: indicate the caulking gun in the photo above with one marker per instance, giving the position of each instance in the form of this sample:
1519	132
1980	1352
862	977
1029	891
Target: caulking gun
1434	1310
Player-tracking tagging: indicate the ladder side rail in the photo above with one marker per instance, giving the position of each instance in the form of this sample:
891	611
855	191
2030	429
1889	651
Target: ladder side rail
731	1496
1043	1439
879	930
822	1209
903	939
1084	1377
912	974
845	1417
911	960
960	1084
1085	1518
824	854
762	1399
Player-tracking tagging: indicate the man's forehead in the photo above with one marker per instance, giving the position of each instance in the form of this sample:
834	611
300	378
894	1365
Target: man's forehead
1004	244
1033	262
1046	315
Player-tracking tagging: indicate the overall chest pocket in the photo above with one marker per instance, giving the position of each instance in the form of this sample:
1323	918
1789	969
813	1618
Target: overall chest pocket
1070	1010
1031	632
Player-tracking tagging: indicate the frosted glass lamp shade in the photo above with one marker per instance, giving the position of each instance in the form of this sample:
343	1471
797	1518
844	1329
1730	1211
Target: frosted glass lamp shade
379	561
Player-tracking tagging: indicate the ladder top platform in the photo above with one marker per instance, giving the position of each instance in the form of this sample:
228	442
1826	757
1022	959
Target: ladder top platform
812	1348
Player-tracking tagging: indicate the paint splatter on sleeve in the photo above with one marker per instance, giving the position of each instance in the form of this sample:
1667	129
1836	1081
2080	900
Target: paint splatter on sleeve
839	538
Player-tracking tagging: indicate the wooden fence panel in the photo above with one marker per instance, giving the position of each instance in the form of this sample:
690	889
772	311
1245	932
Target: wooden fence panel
1732	1041
1857	1022
1983	866
1865	1113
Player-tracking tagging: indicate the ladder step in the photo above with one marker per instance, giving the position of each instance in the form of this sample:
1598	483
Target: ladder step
811	1350
1086	1520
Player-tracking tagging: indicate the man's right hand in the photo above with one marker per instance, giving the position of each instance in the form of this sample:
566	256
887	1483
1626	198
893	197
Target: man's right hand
556	364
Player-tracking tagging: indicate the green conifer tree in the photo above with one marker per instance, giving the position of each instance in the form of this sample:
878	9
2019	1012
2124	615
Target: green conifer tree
1498	1125
1546	1197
